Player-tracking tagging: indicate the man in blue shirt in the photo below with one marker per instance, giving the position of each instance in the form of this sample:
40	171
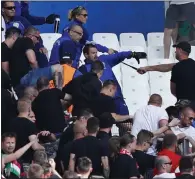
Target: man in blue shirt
68	43
8	12
22	9
109	61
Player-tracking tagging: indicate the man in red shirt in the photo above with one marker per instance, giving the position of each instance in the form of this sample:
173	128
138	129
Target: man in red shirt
169	150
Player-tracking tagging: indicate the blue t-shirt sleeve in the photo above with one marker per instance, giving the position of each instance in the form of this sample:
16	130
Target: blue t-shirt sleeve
34	20
116	58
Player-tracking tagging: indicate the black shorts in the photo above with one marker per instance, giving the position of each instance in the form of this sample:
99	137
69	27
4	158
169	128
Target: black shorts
175	12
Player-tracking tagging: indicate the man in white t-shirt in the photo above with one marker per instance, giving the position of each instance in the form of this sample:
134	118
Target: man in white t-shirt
150	117
187	116
163	165
178	9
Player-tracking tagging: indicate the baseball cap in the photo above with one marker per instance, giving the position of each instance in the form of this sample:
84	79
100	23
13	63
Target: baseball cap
67	57
106	120
185	46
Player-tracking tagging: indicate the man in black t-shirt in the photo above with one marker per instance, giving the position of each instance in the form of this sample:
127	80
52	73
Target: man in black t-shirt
24	67
183	73
106	123
145	161
48	108
9	107
68	134
104	102
11	36
25	130
186	168
90	147
23	57
82	89
80	131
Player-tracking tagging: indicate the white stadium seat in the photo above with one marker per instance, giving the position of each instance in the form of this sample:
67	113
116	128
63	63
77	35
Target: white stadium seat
155	52
132	39
155	39
109	40
4	29
160	84
117	72
135	87
115	130
192	54
49	39
156	55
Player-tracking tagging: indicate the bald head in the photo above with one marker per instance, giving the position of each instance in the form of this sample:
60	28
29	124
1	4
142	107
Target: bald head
187	116
160	161
187	110
76	27
30	93
76	32
155	99
79	128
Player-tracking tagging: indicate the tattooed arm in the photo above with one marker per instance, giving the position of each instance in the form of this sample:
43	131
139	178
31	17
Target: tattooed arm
72	162
57	71
106	167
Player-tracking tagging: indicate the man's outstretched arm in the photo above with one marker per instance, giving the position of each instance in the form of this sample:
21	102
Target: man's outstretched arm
159	68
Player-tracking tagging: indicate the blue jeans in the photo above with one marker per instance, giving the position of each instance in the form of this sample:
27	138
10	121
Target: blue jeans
30	79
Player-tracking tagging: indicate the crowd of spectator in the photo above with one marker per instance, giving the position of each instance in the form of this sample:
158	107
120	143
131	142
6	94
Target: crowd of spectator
57	116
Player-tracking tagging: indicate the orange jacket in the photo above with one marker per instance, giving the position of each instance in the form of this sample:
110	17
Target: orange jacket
68	73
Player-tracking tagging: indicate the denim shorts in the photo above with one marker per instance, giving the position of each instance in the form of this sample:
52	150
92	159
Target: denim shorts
30	79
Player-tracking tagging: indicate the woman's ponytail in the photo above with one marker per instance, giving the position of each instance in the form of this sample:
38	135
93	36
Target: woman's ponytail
70	14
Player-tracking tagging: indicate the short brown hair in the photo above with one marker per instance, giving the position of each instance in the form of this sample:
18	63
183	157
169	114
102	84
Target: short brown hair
35	171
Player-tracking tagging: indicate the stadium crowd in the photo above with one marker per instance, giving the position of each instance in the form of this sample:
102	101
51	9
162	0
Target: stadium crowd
57	116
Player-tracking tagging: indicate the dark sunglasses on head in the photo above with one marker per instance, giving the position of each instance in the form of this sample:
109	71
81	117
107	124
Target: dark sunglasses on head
79	8
10	8
84	15
169	163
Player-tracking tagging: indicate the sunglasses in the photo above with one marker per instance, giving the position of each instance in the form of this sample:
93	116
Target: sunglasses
169	163
150	143
84	15
37	37
79	33
10	8
191	118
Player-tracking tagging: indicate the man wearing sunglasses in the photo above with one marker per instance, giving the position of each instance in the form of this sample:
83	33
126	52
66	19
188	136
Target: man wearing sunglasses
187	116
24	67
9	14
67	44
163	165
